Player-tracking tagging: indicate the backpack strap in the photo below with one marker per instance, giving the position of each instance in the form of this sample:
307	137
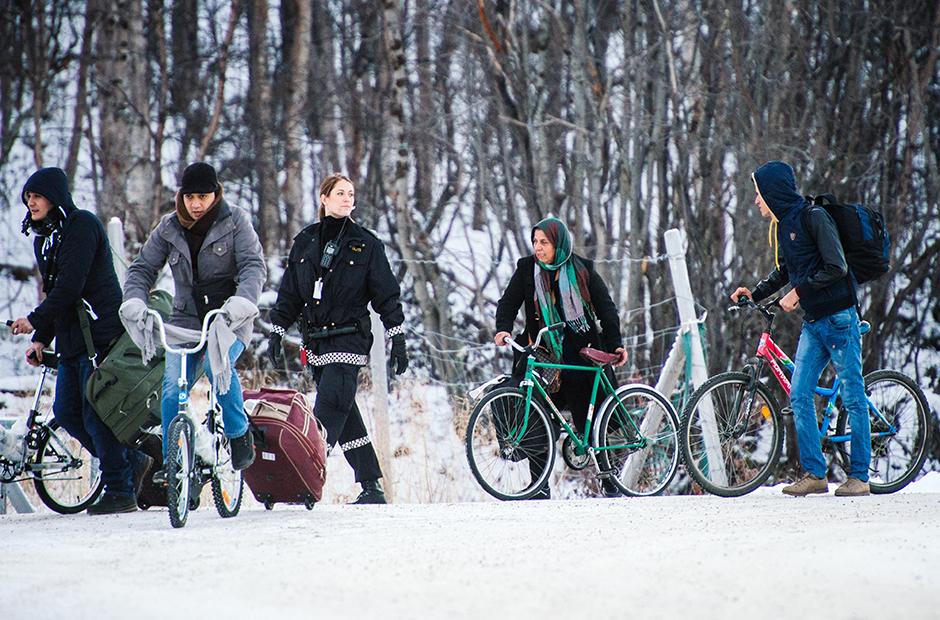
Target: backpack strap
86	331
823	199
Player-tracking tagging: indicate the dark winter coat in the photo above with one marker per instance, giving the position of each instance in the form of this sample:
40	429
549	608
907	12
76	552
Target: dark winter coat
360	274
231	251
813	258
521	291
78	267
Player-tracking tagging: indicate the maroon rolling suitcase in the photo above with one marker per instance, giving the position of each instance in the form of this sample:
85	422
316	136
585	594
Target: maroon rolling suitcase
290	448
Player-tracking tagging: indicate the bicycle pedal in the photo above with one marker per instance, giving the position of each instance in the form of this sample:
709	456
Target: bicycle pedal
606	474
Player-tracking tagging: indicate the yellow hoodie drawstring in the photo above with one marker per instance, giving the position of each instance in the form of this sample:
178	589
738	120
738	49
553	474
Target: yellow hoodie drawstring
772	240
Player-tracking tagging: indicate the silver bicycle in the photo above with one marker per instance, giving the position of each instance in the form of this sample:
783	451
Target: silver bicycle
198	453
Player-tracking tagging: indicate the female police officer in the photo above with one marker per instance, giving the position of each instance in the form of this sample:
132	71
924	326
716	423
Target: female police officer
335	268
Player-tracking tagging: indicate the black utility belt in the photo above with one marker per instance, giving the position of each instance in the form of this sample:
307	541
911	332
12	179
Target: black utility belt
318	333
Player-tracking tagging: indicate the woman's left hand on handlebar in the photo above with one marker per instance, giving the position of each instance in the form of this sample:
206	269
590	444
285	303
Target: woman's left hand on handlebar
623	356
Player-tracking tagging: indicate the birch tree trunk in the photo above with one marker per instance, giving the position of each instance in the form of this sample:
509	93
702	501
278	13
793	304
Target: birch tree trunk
296	24
122	82
259	116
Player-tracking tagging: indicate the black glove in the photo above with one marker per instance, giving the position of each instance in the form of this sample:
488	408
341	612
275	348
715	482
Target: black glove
399	358
274	348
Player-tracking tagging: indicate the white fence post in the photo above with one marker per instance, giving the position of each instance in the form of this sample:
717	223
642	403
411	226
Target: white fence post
381	441
686	304
118	256
652	421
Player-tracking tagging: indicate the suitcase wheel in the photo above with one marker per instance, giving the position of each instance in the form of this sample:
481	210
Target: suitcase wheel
309	502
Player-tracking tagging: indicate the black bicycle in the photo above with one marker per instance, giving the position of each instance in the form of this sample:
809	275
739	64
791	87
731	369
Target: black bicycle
65	474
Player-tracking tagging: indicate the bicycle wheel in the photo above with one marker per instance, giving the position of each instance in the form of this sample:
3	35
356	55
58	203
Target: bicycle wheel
227	485
178	467
510	456
747	434
642	441
67	478
899	436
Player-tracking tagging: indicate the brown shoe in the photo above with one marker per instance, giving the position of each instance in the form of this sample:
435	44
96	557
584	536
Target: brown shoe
806	485
853	487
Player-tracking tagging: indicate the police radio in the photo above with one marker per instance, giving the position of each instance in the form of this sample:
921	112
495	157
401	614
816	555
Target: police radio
329	251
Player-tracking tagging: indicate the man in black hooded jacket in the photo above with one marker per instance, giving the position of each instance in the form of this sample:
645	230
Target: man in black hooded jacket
74	259
810	258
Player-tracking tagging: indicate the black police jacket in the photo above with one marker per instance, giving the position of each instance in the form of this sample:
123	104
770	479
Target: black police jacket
359	274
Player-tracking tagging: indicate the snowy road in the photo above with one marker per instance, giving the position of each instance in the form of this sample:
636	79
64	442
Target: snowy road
764	556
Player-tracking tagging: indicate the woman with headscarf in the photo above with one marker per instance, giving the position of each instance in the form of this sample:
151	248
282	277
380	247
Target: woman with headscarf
555	285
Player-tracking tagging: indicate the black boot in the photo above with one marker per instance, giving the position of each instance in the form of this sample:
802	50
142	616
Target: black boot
372	493
109	503
243	451
610	489
543	493
141	469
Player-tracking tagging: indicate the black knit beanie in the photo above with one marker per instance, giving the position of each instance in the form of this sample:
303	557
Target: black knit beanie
199	178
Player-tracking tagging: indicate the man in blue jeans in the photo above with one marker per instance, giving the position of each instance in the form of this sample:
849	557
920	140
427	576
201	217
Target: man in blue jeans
809	255
74	259
231	402
216	259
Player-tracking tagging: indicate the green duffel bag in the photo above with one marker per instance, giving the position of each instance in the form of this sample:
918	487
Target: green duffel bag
125	392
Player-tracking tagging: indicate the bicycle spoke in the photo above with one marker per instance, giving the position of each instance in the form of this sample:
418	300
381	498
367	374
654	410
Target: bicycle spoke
508	451
746	429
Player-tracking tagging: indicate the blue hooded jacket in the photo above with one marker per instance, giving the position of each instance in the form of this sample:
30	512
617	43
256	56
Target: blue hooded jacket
74	258
809	242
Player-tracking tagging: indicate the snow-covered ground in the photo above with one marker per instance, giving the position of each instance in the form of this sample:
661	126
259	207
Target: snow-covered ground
762	556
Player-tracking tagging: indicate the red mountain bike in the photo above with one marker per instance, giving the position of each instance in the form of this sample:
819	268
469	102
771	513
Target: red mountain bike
732	426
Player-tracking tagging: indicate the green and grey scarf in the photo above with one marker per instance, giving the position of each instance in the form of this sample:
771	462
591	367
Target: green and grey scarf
572	277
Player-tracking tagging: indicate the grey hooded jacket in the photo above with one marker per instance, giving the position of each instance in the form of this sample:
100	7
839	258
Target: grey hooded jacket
231	249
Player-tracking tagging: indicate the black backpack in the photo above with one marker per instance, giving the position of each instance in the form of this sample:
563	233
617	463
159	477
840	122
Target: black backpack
864	236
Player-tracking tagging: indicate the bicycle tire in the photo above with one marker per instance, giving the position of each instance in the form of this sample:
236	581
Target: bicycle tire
178	467
907	409
227	487
65	491
501	463
755	457
644	471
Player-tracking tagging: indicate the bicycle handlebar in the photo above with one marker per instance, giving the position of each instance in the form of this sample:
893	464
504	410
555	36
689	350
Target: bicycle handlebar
203	335
538	338
746	303
9	322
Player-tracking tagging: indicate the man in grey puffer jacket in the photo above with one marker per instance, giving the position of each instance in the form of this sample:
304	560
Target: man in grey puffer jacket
214	255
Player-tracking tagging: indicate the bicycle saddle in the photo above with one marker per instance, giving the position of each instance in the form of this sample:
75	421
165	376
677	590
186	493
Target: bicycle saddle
598	357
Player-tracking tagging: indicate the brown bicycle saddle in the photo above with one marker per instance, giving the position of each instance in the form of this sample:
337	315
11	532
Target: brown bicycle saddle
598	357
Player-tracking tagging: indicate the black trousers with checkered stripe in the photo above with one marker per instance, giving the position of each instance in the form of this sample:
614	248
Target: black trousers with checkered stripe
336	409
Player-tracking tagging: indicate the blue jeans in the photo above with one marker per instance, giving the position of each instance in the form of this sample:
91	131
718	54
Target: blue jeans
76	415
234	418
833	338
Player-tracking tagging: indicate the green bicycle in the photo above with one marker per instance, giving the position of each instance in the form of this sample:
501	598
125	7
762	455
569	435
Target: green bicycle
512	432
